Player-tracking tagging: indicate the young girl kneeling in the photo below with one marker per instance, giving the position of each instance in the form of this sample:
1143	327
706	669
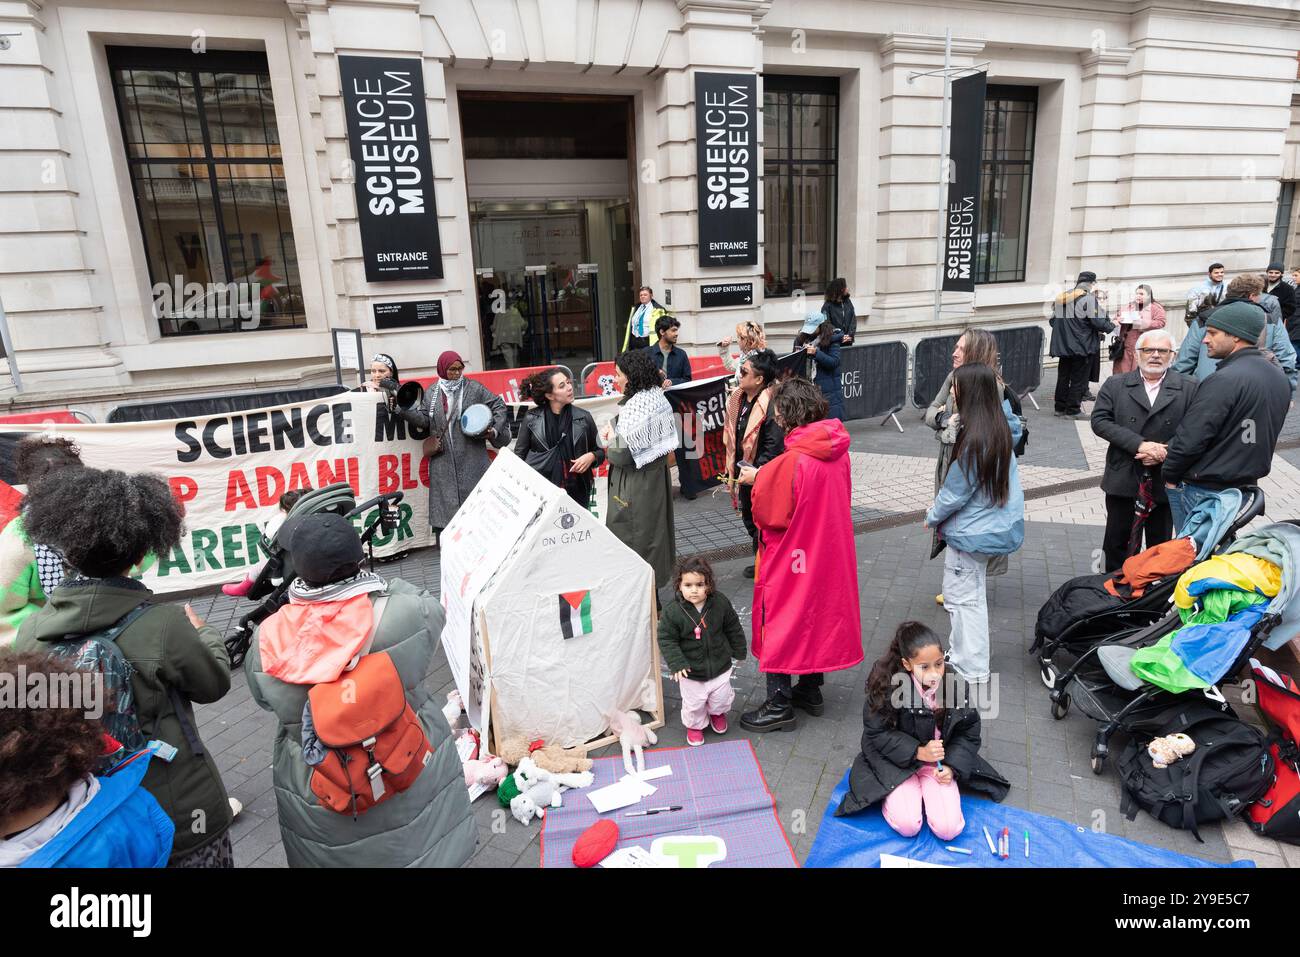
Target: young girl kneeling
916	746
699	634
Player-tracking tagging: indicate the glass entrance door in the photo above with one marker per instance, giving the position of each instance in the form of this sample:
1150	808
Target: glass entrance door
555	304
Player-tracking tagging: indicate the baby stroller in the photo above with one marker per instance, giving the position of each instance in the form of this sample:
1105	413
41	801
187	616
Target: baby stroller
271	586
1103	684
1108	616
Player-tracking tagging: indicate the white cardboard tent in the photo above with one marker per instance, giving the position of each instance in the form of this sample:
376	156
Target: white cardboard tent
550	618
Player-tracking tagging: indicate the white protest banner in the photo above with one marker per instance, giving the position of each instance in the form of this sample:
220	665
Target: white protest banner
229	470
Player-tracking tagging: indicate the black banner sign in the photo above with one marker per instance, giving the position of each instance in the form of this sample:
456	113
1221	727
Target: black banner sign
874	379
931	363
726	137
400	315
388	134
961	216
702	410
726	294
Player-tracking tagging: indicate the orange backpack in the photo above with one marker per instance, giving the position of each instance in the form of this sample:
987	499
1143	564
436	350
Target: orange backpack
377	746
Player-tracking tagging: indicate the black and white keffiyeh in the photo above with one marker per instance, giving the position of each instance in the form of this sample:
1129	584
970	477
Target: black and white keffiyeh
50	567
646	426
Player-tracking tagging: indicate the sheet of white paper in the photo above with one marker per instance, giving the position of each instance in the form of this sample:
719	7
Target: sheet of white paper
614	796
634	856
632	781
650	774
892	860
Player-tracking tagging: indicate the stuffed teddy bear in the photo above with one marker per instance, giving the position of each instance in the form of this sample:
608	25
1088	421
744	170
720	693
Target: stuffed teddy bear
559	760
513	749
550	758
491	771
633	736
1165	751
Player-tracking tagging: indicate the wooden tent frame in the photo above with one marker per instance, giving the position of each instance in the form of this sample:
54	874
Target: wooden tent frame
491	705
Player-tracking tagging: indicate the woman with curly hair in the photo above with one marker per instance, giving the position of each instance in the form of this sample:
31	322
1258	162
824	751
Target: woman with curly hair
105	523
30	570
639	441
54	811
557	438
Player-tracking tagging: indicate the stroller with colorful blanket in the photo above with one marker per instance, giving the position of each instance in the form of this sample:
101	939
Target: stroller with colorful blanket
271	587
1092	608
1225	609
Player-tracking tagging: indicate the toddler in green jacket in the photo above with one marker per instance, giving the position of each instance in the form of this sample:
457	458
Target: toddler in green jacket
699	635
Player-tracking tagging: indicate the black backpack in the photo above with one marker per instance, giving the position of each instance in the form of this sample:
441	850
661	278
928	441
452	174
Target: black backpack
1230	768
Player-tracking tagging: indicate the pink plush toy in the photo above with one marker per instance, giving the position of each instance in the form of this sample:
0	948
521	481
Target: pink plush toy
632	735
492	771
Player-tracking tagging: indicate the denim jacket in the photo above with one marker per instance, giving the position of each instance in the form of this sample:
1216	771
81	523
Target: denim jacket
1193	360
968	521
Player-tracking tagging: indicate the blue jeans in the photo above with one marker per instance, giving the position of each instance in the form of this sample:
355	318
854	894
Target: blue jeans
1183	501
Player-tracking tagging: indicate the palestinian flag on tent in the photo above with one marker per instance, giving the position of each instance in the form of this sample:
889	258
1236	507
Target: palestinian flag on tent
575	613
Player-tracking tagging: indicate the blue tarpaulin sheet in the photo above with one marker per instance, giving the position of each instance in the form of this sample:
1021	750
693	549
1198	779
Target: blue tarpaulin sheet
858	840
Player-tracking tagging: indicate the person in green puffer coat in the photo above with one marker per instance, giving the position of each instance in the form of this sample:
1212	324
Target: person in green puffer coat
334	610
105	523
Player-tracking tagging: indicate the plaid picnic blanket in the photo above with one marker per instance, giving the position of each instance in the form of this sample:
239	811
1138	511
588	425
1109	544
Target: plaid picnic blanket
722	793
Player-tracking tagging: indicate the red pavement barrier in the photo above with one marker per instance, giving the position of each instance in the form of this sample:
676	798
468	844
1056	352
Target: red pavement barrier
702	367
61	416
502	382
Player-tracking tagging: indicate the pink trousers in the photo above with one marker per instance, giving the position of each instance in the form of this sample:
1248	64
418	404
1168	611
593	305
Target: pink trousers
703	698
941	802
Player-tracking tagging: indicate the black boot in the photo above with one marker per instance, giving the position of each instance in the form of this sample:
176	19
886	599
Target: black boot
775	714
808	698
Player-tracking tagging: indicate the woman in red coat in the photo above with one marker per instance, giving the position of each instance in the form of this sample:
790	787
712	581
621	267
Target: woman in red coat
806	619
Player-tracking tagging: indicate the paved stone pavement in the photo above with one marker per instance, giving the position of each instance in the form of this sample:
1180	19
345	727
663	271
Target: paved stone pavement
1047	762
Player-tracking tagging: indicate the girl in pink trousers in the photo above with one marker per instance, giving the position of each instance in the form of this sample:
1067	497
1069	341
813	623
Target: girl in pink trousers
919	748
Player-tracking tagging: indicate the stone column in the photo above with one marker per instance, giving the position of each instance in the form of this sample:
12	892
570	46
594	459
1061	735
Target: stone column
716	36
328	29
1101	196
907	213
46	283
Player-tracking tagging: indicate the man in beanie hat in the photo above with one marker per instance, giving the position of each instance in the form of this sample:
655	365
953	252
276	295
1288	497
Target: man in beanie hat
1194	360
1077	319
1275	285
1227	437
336	615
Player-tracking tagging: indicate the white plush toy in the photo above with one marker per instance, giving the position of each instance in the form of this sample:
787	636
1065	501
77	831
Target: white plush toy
537	792
540	789
633	735
453	708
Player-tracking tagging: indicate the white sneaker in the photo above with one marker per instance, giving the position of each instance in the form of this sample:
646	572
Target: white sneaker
236	806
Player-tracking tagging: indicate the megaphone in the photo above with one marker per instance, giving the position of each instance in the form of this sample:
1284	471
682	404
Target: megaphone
410	396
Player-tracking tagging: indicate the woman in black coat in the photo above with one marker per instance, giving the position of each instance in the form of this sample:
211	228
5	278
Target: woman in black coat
899	743
838	308
557	438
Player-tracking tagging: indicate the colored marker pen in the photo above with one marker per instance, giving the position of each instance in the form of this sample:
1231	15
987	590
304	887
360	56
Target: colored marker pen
989	837
1026	842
